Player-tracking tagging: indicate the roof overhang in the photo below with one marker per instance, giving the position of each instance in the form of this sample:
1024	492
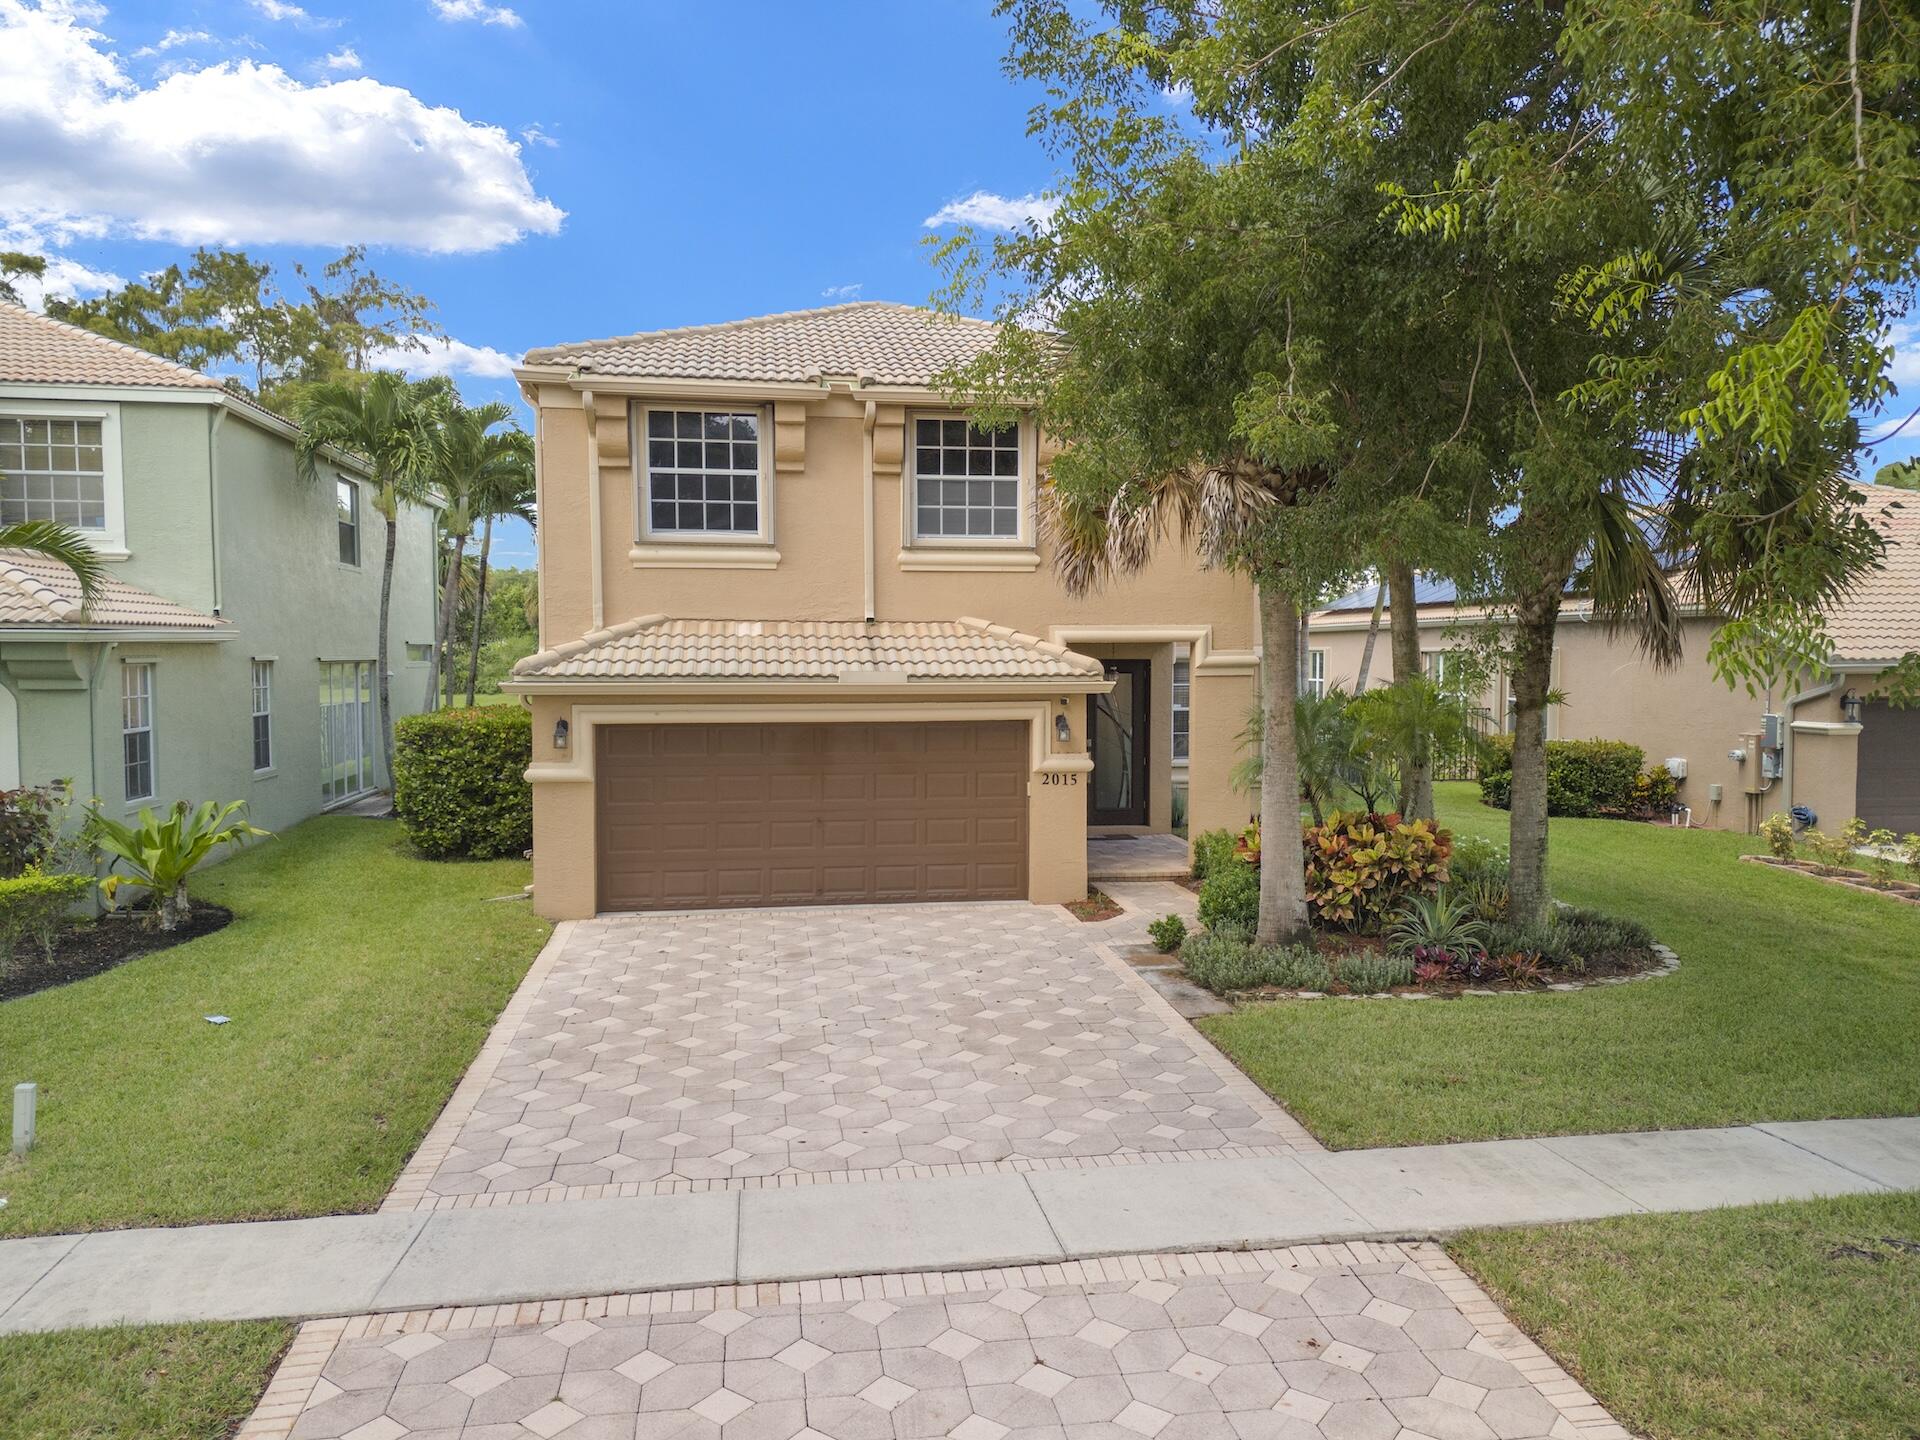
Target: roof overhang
684	387
842	689
113	634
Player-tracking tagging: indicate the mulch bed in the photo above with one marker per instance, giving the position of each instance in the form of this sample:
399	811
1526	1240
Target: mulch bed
1853	879
97	946
1097	906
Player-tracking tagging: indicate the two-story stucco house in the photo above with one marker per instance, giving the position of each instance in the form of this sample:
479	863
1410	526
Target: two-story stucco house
231	656
802	640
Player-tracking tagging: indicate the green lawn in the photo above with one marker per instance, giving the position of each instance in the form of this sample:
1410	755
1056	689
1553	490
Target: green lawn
151	1382
360	982
1794	1000
1731	1325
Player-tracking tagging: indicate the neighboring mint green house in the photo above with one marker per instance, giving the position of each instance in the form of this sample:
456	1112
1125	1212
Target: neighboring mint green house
231	656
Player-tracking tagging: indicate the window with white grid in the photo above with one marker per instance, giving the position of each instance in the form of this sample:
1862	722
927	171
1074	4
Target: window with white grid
966	480
1317	673
263	714
1182	694
703	473
136	729
52	469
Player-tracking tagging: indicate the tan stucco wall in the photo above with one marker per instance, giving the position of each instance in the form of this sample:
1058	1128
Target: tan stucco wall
818	529
1615	693
1825	771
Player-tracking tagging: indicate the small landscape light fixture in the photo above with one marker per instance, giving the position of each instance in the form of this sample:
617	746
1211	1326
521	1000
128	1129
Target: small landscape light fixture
560	732
1062	731
1850	706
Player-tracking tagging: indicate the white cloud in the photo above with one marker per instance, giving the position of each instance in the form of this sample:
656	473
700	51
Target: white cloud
242	152
995	212
1904	370
291	14
346	59
64	276
173	40
447	356
842	292
534	135
477	10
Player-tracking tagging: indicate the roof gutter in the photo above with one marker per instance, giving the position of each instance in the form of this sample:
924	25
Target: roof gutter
821	687
115	634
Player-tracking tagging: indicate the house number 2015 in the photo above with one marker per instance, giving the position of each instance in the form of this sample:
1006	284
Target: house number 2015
1060	779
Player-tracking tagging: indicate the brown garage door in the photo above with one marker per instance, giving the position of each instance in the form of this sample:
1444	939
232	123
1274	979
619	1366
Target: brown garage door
1889	774
719	815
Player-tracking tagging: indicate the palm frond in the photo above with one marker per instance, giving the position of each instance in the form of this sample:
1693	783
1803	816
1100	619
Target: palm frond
63	545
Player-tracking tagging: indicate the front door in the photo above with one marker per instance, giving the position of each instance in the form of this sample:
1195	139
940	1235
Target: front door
1117	723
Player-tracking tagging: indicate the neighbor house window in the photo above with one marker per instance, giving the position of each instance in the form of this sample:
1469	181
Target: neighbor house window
1317	673
263	714
966	480
703	473
1442	667
418	652
136	730
346	504
1182	688
52	469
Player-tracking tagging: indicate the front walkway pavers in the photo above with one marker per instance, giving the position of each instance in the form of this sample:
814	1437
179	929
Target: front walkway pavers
1343	1342
672	1052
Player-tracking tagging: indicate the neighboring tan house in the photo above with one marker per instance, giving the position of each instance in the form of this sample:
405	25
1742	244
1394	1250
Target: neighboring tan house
802	641
1811	754
231	656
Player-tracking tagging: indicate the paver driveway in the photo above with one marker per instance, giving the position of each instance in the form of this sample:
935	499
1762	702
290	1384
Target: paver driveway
677	1051
1332	1343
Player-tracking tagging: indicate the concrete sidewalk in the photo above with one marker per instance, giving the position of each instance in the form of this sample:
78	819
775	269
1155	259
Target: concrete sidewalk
363	1263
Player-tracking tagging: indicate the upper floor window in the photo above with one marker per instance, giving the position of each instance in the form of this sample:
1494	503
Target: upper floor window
53	469
966	480
703	474
346	504
1182	694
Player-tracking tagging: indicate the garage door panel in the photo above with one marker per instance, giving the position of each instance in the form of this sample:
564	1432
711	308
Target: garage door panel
741	815
1889	769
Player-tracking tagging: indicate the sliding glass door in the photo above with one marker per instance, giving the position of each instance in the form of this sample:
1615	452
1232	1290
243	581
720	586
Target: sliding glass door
347	734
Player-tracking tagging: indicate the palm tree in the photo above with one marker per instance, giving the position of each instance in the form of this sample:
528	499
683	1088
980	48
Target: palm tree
476	465
505	489
58	543
396	430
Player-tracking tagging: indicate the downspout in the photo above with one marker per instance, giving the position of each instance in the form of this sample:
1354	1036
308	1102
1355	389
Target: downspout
866	508
593	508
217	418
1794	702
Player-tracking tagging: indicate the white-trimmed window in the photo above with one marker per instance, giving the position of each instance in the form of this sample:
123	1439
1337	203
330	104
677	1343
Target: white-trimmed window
705	475
136	729
53	468
1182	692
1442	667
967	481
346	509
263	715
1317	673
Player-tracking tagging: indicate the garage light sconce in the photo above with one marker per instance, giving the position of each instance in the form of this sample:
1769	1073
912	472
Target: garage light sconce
1850	706
1062	731
560	731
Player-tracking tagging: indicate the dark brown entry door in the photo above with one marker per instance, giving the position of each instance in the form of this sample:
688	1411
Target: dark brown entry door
1117	723
1888	795
697	816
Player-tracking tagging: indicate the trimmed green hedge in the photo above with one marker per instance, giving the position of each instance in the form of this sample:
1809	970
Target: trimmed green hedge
1584	777
460	781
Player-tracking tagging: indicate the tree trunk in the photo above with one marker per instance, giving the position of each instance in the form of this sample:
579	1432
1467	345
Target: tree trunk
383	679
1373	634
1283	876
449	604
479	612
1535	615
1416	771
174	908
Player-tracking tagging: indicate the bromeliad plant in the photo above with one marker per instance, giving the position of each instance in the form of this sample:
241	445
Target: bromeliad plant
158	854
1436	930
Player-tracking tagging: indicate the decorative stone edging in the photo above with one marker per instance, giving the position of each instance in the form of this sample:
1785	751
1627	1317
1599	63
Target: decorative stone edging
1668	963
1799	868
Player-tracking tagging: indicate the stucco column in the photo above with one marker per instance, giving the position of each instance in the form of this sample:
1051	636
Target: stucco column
1057	811
1826	770
565	865
1218	705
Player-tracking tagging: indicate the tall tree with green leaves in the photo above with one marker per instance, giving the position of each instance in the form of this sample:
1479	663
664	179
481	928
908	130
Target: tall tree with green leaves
478	463
506	490
14	265
395	429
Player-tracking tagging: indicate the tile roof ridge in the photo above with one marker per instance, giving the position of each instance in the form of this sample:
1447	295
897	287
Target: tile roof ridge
187	373
748	322
37	590
586	642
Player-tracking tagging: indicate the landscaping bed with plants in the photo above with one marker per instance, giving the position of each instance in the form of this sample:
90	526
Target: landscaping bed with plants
1863	859
1096	907
1398	909
92	947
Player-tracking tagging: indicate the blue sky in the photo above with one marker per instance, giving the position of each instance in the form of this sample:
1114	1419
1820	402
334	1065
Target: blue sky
545	170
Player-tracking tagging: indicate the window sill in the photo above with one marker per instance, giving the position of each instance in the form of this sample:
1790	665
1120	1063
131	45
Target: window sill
984	559
696	555
267	774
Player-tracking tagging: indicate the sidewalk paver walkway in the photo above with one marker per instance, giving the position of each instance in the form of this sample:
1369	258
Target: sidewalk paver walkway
676	1052
1361	1342
355	1263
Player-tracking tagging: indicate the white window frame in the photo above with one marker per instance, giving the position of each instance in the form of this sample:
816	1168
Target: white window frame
1024	447
1182	706
110	541
145	669
1317	674
1434	665
643	468
359	523
260	688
